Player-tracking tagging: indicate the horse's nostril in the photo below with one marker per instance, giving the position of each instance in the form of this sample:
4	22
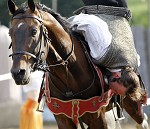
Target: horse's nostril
18	72
22	72
20	76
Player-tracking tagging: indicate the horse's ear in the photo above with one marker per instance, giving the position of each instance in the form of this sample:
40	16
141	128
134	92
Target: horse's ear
12	7
31	5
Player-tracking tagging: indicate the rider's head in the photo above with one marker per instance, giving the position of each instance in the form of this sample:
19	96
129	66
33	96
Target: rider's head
116	3
127	83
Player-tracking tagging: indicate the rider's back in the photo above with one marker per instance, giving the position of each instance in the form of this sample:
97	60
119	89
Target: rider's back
116	3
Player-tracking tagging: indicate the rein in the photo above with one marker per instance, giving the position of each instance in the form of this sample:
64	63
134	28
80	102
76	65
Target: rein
65	62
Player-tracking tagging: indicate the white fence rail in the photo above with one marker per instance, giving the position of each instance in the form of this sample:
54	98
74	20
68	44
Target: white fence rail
6	76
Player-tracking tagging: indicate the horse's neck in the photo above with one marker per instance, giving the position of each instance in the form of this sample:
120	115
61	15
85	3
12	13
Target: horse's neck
78	66
61	41
61	38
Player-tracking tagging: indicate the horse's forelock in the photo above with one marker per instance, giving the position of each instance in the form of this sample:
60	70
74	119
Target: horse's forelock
20	10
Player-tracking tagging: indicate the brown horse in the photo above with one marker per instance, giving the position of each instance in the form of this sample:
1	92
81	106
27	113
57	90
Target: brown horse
41	39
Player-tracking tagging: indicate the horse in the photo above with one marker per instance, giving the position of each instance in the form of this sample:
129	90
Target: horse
74	90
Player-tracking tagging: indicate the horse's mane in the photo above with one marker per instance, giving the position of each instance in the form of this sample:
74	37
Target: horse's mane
57	16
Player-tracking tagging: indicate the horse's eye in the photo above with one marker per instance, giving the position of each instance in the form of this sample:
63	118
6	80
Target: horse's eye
34	31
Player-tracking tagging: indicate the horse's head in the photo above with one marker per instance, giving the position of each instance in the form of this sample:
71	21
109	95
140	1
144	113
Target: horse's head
29	40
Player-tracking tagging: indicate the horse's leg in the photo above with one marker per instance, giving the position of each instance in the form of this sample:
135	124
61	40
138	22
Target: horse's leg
95	120
133	109
64	122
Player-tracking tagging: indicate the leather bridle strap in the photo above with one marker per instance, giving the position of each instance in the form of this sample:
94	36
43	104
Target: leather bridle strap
23	53
65	61
28	53
28	16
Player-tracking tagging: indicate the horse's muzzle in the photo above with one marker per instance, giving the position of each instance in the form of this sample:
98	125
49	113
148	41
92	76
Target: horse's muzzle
20	76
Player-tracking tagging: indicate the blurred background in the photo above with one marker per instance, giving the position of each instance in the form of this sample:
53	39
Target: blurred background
12	96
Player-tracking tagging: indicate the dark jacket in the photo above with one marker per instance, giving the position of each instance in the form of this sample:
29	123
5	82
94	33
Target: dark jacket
116	3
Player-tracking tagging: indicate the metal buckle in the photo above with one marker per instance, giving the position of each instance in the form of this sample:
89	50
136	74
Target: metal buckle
41	105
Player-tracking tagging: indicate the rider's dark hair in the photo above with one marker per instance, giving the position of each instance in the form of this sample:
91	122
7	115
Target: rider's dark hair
130	80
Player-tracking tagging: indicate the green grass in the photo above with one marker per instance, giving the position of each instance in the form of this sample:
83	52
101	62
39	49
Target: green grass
139	9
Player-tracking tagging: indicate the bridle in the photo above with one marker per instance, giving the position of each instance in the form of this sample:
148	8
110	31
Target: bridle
42	65
43	35
39	64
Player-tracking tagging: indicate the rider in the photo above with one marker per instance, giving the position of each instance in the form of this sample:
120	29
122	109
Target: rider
105	26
